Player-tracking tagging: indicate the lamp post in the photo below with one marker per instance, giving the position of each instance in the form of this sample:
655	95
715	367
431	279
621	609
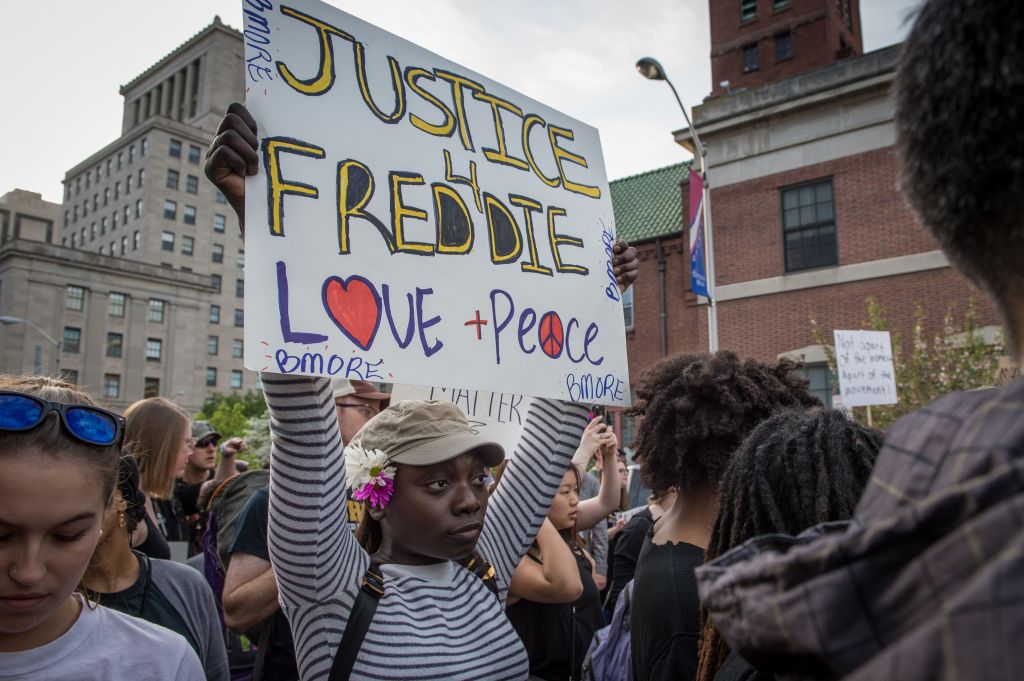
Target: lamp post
6	321
650	68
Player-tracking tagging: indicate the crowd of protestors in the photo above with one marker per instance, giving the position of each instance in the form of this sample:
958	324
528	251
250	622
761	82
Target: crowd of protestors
781	538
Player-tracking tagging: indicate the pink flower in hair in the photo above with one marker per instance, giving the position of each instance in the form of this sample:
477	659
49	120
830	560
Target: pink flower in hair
369	474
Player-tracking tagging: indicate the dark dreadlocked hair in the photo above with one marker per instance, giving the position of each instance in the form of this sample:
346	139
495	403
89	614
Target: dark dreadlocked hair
794	471
697	409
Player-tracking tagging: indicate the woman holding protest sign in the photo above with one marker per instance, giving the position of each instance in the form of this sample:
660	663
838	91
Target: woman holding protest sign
421	592
58	466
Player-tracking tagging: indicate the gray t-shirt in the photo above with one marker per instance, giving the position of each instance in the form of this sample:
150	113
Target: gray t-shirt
104	644
597	536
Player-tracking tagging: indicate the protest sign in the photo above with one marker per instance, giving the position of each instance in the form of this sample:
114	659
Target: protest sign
413	221
865	368
496	416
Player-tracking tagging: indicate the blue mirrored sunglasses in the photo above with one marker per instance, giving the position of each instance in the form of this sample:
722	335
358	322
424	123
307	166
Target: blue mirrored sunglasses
83	422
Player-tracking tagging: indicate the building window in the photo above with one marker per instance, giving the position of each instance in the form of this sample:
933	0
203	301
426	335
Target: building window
113	220
120	159
170	210
135	240
188	215
103	250
240	261
75	212
627	307
128	185
219	221
69	375
808	226
116	304
239	317
142	177
217	253
236	379
174	150
138	208
117	190
103	225
112	386
74	299
156	310
151	387
211	377
92	232
215	314
751	58
124	245
127	214
192	184
143	147
113	246
154	349
193	153
220	197
748	10
167	241
239	288
236	348
72	339
780	4
784	46
95	202
820	377
131	153
115	343
215	281
172	178
106	195
187	245
212	345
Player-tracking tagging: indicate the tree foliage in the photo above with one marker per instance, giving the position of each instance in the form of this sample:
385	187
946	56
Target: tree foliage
956	358
232	416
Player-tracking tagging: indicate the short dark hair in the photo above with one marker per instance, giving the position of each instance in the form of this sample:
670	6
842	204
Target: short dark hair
698	408
960	138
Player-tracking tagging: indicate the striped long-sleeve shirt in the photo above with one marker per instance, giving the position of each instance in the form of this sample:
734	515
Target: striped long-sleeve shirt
436	621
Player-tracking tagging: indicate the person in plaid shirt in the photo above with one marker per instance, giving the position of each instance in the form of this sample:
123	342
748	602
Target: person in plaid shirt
927	581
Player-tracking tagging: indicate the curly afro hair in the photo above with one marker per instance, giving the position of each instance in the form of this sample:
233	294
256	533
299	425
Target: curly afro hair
697	409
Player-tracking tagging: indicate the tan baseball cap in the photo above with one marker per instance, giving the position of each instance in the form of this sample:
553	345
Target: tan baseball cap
421	433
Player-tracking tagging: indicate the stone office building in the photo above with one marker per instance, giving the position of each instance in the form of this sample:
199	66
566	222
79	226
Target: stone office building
143	199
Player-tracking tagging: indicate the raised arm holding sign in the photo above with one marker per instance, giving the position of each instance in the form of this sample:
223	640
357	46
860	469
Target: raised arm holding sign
426	536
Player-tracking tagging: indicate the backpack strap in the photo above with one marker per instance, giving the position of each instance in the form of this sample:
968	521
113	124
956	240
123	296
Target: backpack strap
479	566
358	623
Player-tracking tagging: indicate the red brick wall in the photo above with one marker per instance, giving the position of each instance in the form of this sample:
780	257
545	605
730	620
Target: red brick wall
765	326
872	219
816	28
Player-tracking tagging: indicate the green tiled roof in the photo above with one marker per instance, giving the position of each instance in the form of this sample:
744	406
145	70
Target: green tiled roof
648	205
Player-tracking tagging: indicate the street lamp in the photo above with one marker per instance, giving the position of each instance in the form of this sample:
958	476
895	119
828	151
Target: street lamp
649	68
6	321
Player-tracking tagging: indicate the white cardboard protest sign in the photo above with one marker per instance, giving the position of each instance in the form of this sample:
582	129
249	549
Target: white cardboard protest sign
496	416
413	221
865	368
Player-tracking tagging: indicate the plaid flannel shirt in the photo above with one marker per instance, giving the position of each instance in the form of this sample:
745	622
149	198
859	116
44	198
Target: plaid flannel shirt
925	583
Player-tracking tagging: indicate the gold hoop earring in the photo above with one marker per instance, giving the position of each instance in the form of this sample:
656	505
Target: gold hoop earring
120	519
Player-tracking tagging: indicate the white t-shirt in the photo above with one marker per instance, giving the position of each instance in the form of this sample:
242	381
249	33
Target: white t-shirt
102	645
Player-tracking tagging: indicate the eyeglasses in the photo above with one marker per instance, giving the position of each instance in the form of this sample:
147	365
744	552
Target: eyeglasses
205	442
85	423
366	410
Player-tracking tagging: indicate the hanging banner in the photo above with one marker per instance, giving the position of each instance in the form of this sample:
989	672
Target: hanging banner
413	221
698	274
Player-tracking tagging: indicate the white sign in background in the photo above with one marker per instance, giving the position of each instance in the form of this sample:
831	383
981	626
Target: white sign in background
865	367
413	221
496	416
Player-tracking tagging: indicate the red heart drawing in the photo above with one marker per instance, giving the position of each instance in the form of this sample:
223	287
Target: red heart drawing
353	304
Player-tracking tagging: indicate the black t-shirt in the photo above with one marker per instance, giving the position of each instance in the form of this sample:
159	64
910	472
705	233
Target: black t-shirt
251	537
147	602
665	612
156	545
556	635
735	668
622	564
193	520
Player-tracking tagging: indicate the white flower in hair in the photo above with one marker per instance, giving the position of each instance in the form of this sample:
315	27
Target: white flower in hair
367	467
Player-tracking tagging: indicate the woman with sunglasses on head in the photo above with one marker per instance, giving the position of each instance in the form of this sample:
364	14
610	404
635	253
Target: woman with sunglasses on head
58	466
163	592
436	567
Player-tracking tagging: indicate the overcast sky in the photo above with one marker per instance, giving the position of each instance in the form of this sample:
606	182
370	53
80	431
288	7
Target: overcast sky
66	59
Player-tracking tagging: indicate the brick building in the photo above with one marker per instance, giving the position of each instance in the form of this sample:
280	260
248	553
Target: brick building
808	219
